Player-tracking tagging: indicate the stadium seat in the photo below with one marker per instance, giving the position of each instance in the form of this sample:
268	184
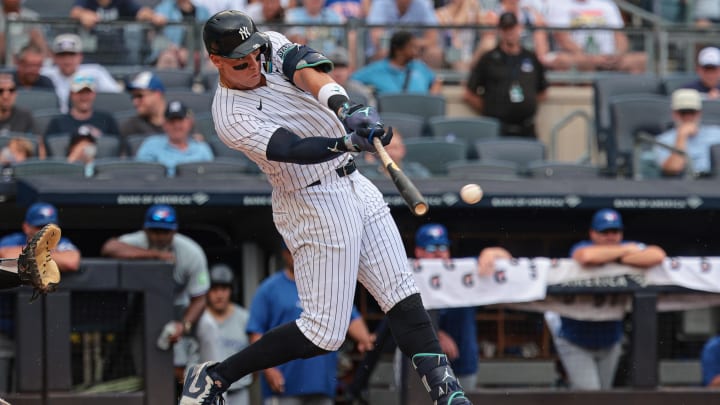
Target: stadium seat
43	117
108	146
117	168
562	170
409	125
629	115
56	145
466	129
434	153
60	167
176	79
521	151
36	99
197	102
711	112
613	84
482	169
715	160
110	102
675	81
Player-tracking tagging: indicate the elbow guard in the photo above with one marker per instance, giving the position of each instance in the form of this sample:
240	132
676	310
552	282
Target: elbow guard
296	57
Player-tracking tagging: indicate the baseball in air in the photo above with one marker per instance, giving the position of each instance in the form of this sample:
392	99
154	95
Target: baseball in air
471	193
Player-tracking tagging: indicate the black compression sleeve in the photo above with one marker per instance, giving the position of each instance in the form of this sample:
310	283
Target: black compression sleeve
285	146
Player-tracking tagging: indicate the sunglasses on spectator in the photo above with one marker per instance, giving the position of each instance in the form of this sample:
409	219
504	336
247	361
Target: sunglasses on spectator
610	231
7	90
137	95
687	112
436	248
710	67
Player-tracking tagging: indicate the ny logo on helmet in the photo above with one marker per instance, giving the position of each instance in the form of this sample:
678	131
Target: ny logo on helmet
244	33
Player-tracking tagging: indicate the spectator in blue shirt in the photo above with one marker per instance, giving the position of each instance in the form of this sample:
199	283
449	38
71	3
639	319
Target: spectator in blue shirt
401	71
710	361
176	145
689	135
590	350
310	381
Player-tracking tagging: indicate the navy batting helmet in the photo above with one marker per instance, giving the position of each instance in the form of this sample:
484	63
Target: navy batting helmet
233	34
221	274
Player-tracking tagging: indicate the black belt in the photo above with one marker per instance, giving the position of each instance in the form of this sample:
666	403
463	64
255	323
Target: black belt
341	172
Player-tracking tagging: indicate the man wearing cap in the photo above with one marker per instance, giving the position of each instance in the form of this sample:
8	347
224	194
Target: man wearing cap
176	145
148	97
456	326
68	56
508	82
689	135
82	112
66	254
159	240
590	350
708	71
231	320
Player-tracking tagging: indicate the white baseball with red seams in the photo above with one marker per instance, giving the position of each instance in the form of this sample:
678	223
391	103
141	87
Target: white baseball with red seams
471	193
339	230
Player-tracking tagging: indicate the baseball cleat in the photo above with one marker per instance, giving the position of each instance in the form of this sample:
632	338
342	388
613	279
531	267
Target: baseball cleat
201	388
458	398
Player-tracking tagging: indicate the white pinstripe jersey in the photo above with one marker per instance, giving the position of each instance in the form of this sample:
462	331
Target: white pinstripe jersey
246	119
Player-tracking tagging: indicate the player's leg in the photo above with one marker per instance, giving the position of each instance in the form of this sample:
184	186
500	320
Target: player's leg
579	365
385	273
607	362
325	251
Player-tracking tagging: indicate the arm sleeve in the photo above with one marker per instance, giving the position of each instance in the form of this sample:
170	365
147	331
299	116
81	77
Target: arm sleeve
285	146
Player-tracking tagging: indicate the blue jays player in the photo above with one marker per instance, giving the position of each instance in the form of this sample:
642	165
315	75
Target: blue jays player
276	103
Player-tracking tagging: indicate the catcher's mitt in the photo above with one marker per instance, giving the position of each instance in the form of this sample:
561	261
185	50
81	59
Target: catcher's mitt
35	265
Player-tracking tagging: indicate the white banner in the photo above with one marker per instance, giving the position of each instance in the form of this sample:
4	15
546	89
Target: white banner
522	283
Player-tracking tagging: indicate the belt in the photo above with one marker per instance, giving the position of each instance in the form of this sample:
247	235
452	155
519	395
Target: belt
341	172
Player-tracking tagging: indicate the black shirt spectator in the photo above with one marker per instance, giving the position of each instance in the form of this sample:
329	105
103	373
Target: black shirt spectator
508	82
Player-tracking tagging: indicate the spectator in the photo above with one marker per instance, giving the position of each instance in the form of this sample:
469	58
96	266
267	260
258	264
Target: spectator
706	12
317	37
350	9
460	42
19	34
29	61
231	320
591	49
177	11
404	12
710	361
12	117
456	326
91	12
401	71
508	82
267	11
342	69
590	351
83	146
396	150
148	97
66	254
176	145
688	135
708	71
159	240
529	15
17	150
82	112
303	381
215	6
68	56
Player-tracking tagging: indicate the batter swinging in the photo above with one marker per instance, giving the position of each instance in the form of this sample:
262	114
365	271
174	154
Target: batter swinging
276	103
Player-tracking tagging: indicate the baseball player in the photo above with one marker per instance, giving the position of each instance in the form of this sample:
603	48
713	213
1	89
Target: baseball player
276	103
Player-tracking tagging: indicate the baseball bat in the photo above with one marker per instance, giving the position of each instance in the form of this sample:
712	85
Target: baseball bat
407	189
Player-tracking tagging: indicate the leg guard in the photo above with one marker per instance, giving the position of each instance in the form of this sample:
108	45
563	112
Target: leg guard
439	379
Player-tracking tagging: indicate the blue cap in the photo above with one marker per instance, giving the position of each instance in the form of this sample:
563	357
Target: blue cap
145	81
431	234
161	216
41	214
606	219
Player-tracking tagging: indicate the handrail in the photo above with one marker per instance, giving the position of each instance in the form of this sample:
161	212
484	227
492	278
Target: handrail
554	133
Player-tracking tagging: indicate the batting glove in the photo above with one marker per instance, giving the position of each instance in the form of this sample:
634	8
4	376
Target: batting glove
358	117
362	140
